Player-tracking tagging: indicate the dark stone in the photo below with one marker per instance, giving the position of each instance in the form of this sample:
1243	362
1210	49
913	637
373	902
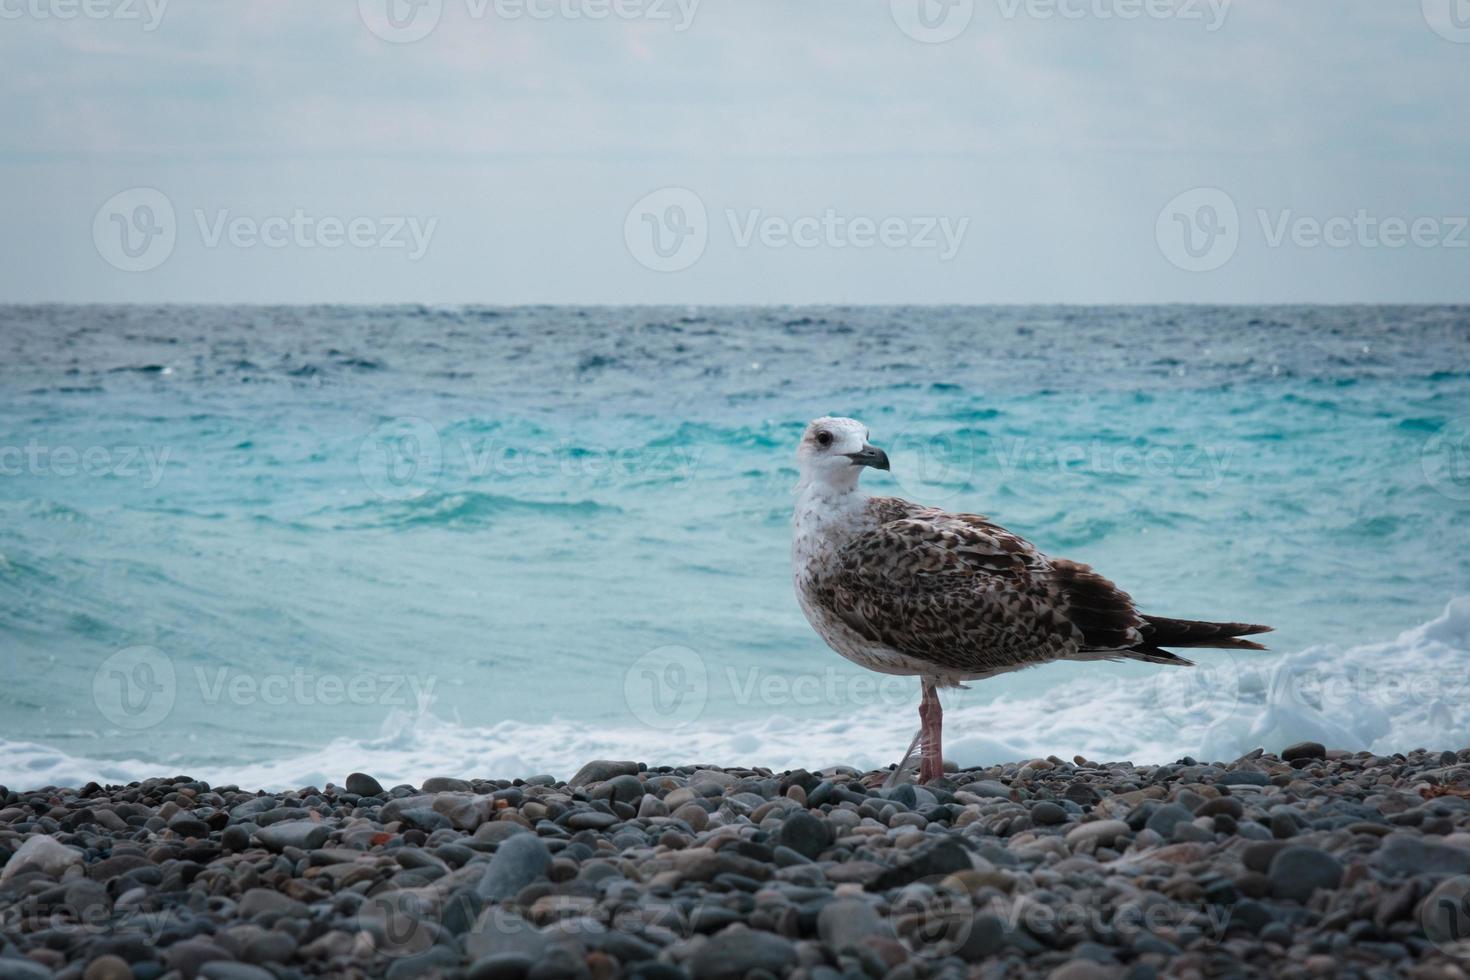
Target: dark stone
944	856
430	962
307	835
1221	806
600	771
222	970
628	949
500	966
1304	750
804	833
845	923
625	789
1409	854
1297	872
518	861
738	951
1048	813
1259	855
1162	820
425	819
1083	794
190	955
446	784
185	824
361	784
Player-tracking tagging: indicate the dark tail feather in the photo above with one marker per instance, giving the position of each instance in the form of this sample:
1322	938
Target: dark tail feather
1160	631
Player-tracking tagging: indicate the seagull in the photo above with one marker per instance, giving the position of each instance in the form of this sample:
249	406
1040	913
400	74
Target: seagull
900	588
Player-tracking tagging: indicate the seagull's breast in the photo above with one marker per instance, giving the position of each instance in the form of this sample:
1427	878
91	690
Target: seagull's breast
822	527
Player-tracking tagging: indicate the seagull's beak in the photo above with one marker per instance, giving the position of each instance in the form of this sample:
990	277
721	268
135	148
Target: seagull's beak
869	456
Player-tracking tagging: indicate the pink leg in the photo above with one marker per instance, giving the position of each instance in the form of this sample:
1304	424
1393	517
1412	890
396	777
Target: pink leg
931	721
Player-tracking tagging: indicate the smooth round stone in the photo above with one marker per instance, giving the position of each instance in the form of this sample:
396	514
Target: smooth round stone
500	966
1297	872
220	970
1101	832
592	820
738	951
804	833
446	784
108	967
1304	750
185	824
696	816
1048	813
625	789
1165	818
306	835
361	784
518	861
1221	806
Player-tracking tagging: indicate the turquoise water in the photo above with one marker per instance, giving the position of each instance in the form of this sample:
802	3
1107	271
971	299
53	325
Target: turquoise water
489	516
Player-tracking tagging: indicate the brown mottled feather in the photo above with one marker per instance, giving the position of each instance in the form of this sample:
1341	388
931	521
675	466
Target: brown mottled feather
964	594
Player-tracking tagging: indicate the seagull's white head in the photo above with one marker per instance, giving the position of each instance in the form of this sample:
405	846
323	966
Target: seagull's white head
833	452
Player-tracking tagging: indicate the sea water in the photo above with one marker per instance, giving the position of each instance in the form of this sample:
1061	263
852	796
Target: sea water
274	545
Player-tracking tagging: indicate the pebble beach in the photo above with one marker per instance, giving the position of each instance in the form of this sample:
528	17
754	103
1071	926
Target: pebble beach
1315	863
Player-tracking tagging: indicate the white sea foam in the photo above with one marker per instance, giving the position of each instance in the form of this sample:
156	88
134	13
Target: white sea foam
1410	692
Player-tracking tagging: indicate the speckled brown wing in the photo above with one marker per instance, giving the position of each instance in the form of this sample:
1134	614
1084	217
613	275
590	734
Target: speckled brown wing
968	596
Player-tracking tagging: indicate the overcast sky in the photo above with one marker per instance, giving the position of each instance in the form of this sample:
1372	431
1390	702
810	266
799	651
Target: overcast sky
735	151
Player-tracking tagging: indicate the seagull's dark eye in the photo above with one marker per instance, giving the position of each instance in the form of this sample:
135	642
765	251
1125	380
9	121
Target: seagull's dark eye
824	439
